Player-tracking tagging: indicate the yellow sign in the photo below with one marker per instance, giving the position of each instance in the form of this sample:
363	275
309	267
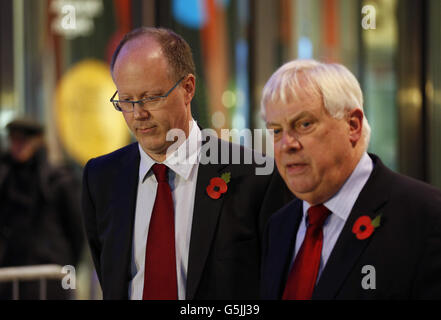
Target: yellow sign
88	125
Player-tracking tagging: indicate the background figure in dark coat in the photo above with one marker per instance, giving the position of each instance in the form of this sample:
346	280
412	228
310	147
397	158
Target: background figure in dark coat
40	219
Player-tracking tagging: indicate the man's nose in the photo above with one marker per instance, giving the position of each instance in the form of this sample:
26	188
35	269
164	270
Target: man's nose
139	112
290	141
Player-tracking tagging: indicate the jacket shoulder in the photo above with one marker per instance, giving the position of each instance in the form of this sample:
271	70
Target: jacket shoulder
291	210
419	200
409	202
114	157
408	189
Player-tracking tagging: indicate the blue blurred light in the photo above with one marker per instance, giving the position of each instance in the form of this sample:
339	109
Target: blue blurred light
189	13
304	50
242	85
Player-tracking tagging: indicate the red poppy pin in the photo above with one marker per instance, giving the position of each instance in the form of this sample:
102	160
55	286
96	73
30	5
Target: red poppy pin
364	226
218	186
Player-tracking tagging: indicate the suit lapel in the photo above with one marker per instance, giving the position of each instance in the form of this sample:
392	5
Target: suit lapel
123	208
348	248
4	169
284	239
205	217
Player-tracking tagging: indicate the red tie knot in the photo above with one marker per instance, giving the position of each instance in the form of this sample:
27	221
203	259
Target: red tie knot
161	172
317	215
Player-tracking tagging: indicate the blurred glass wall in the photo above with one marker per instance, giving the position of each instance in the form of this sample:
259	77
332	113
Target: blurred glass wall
392	46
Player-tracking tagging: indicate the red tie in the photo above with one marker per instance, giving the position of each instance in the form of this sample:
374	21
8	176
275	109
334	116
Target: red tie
160	282
303	274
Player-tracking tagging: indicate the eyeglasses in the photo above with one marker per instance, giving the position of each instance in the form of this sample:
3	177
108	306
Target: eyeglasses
149	103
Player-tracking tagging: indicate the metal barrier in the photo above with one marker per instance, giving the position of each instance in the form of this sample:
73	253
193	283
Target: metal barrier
37	272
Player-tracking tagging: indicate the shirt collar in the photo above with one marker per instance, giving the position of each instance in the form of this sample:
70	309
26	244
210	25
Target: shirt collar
343	201
181	161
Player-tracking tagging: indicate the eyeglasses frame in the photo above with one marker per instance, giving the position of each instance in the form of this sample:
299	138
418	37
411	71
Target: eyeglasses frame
141	102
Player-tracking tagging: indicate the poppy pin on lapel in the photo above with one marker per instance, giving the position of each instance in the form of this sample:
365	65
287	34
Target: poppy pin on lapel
218	185
365	226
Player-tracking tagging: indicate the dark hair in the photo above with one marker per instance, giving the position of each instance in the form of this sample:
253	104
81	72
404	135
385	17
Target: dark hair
26	126
175	48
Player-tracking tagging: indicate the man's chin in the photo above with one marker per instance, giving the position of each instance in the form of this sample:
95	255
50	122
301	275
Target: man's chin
303	191
159	148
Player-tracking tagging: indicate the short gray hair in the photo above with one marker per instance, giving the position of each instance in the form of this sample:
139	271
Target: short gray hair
337	86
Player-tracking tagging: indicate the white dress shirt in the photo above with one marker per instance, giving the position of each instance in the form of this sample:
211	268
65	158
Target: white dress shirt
182	180
340	205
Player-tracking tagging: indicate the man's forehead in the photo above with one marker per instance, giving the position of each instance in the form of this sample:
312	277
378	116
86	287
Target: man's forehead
143	45
301	93
142	48
298	100
293	107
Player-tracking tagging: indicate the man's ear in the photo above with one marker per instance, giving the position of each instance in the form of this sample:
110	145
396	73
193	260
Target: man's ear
189	85
355	121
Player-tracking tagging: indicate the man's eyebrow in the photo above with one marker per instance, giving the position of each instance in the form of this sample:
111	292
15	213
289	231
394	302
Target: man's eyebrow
143	94
155	92
124	95
298	116
271	124
294	118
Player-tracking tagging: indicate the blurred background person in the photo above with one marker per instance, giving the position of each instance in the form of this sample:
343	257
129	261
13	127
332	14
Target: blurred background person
39	210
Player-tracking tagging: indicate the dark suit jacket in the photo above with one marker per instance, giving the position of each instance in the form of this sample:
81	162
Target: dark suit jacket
225	252
405	249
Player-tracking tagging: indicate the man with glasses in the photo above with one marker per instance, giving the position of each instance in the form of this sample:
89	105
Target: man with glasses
160	229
